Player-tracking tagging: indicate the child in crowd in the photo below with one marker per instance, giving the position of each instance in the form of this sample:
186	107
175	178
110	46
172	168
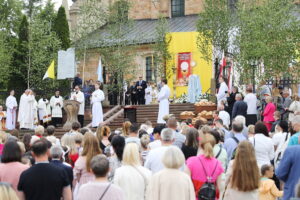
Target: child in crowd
267	188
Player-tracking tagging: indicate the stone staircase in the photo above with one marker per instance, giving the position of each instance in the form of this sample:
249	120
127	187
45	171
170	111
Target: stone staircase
150	112
114	116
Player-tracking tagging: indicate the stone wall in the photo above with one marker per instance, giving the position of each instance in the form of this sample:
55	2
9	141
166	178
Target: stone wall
151	9
144	9
92	60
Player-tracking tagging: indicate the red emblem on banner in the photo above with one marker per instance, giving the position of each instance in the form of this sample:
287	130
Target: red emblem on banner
183	68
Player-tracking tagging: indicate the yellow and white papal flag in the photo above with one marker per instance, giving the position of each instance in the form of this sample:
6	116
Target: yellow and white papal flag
50	73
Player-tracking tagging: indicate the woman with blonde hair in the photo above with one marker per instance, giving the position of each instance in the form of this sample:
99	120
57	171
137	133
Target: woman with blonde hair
171	177
132	177
6	192
102	135
242	177
126	129
82	169
205	167
68	141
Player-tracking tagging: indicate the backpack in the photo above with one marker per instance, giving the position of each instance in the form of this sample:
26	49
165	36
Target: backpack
219	153
234	151
280	150
208	189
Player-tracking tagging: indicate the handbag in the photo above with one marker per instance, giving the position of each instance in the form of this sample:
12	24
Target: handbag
145	180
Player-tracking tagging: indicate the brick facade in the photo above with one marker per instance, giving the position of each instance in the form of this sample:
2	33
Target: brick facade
92	60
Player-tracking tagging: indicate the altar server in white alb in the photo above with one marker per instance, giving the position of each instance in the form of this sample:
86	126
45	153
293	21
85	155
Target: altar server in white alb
97	112
148	94
77	95
44	111
163	99
221	96
11	112
56	103
26	115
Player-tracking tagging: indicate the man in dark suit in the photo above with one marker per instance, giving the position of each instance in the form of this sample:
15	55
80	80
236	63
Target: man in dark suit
133	96
239	107
56	153
140	86
77	80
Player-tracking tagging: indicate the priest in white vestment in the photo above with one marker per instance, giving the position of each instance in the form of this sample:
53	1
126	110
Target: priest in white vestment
77	95
11	112
221	96
35	112
163	99
44	111
148	94
26	113
56	103
97	112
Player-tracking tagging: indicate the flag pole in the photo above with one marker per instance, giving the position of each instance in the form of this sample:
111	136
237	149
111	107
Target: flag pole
83	67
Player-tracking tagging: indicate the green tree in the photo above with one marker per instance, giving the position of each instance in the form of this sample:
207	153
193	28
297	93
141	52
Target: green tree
43	44
19	65
10	15
117	52
5	59
61	28
274	37
266	32
213	25
161	47
30	6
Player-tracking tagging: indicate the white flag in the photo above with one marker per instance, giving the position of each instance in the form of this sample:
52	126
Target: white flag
100	71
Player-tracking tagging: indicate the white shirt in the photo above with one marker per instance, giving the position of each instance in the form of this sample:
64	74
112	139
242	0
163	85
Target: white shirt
132	181
251	101
225	118
277	138
80	98
221	93
154	159
154	144
264	149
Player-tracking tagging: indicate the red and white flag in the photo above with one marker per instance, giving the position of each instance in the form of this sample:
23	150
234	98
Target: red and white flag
223	64
230	77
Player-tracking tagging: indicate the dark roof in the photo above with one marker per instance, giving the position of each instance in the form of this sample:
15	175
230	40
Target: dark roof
141	31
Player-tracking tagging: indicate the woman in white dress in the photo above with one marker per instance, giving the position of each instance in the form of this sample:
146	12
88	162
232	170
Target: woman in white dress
56	103
97	112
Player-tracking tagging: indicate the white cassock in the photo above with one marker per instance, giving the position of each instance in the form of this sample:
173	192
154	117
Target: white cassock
56	104
44	110
97	112
35	113
148	95
80	98
221	96
163	98
11	104
26	111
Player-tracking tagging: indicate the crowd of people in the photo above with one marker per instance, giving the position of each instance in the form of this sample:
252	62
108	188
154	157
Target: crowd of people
250	151
175	160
